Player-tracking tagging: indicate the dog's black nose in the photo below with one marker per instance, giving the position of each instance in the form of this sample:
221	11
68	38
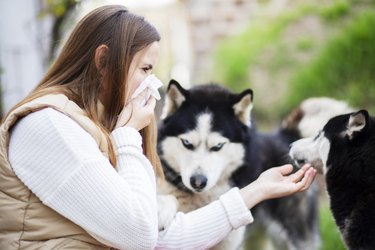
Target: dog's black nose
198	182
301	161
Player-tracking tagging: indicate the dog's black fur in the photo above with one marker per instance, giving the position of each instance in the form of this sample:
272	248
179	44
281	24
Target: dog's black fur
297	214
350	178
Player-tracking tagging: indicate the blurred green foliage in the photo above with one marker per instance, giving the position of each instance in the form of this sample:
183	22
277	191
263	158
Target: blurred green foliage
284	63
305	43
336	10
57	8
330	236
345	68
236	54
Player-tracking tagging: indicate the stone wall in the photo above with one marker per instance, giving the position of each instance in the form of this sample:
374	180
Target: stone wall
210	22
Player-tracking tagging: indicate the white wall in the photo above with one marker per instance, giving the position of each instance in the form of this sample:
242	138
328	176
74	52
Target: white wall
21	50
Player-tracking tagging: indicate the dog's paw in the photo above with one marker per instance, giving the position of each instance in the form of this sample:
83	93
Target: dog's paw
167	209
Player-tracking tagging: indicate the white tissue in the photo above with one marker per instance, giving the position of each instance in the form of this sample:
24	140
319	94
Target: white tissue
152	83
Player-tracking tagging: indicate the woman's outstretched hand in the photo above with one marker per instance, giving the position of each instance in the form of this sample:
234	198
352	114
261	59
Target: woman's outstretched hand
136	113
277	182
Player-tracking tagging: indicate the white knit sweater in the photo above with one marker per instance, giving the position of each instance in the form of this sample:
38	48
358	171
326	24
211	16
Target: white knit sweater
61	163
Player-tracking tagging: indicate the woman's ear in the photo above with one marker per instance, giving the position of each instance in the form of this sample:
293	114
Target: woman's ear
101	57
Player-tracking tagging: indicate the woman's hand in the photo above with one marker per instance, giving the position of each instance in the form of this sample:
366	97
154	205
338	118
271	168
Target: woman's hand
276	182
135	114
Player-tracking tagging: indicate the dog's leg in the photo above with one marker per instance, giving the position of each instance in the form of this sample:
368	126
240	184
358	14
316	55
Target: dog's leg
293	221
167	209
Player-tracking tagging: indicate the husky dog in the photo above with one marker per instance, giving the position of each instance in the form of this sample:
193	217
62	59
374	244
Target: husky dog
208	143
313	113
200	144
345	152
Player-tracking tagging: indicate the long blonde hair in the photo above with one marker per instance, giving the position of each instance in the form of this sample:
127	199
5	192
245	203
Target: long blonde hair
74	72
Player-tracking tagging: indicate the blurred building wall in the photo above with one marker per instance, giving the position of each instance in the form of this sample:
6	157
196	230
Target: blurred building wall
211	21
21	49
171	20
191	30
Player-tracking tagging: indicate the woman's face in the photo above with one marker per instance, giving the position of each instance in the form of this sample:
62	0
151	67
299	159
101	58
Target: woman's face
142	65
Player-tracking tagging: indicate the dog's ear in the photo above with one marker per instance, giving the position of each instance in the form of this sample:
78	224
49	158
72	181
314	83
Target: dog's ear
242	105
357	123
174	97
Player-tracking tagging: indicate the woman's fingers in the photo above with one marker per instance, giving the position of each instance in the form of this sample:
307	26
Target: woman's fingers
286	169
297	176
310	178
307	179
138	112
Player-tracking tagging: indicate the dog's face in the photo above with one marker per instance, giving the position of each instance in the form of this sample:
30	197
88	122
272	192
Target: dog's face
201	133
332	142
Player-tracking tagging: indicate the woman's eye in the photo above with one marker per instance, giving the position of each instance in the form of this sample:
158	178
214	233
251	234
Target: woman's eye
147	70
217	147
187	144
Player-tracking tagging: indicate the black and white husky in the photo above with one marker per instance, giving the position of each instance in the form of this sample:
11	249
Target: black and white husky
201	143
208	143
345	152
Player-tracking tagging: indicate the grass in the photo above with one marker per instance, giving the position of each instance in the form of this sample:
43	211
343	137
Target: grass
331	239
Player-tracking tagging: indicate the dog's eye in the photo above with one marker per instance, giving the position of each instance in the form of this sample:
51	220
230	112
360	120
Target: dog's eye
187	144
217	147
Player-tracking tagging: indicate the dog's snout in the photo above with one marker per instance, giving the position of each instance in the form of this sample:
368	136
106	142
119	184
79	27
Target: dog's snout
300	161
198	182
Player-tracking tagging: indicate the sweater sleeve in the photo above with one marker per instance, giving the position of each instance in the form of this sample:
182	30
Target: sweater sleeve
61	163
207	226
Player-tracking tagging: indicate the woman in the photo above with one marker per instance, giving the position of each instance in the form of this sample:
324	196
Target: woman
78	155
